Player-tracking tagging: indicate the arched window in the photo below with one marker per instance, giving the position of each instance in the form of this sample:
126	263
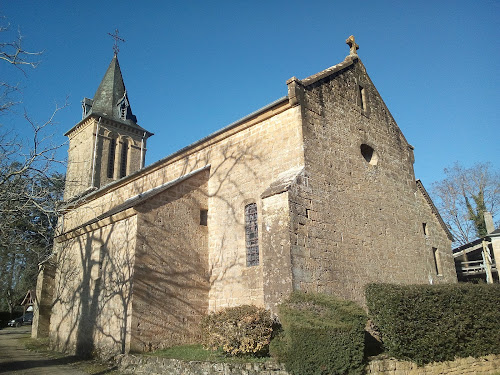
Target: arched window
123	162
111	157
369	154
437	261
251	235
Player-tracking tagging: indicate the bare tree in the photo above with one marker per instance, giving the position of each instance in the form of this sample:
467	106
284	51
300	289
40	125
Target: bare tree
13	53
463	197
30	189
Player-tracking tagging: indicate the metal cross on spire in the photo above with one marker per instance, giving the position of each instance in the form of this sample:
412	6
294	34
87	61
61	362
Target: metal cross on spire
117	39
352	45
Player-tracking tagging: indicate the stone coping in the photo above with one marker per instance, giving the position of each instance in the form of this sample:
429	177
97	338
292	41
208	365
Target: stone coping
143	364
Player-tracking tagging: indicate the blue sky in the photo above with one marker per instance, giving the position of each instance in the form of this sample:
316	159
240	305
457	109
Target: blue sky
193	67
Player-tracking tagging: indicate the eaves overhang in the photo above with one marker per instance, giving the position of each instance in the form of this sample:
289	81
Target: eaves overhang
98	115
81	199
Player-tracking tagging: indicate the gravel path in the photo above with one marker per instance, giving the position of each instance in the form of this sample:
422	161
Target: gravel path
16	360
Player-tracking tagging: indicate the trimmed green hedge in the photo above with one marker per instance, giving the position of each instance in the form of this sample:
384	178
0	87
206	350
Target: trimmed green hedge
321	335
427	323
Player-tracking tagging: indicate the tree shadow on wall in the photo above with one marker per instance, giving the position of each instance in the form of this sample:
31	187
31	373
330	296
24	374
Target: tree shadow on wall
175	268
93	287
157	259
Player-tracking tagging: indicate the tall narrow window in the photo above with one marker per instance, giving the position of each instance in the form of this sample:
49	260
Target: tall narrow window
362	97
111	158
204	217
251	235
123	163
437	261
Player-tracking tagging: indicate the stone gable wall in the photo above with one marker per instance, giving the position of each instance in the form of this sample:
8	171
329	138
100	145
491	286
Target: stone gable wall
361	221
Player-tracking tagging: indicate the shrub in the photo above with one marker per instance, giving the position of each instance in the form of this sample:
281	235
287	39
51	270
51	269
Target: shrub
238	330
321	335
427	323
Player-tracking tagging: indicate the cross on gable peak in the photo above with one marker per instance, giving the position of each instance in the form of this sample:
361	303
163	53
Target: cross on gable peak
352	45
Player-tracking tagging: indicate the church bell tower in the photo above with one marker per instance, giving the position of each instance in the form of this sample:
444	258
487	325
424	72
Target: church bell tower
107	144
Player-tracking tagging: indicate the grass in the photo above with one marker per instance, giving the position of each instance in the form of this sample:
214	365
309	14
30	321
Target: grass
198	353
41	346
90	366
183	353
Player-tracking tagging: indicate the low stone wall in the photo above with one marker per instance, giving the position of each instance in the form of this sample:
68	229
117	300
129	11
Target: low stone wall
489	365
140	364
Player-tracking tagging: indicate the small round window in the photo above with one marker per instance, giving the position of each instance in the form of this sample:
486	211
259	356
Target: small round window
369	154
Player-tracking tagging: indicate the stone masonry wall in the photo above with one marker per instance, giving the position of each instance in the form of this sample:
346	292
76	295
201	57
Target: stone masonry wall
92	296
43	301
436	241
488	365
131	364
122	135
244	161
276	249
361	221
81	154
171	268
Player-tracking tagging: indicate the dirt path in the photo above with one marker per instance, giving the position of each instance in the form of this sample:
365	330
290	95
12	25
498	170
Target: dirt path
16	360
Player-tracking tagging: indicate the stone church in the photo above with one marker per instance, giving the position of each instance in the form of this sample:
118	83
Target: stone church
315	192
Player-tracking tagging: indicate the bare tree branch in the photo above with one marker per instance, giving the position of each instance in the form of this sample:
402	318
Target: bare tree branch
463	197
12	52
30	189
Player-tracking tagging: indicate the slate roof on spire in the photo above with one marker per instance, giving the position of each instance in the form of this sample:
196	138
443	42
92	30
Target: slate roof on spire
111	98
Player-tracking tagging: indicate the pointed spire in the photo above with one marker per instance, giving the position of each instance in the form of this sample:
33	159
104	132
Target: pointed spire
111	98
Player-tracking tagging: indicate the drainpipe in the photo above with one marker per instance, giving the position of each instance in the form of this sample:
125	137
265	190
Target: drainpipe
142	150
95	152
